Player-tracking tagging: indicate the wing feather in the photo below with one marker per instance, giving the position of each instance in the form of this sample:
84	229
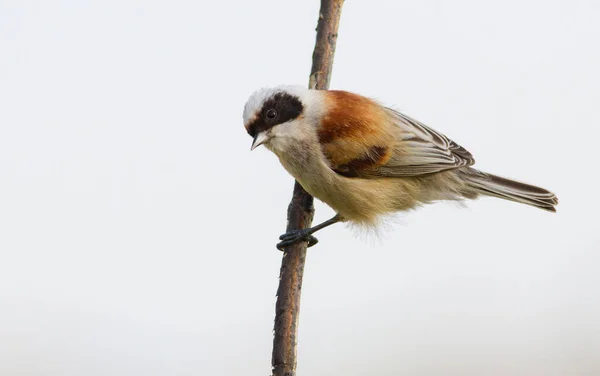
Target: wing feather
421	150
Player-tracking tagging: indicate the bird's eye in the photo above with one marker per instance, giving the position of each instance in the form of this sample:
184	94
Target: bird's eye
271	114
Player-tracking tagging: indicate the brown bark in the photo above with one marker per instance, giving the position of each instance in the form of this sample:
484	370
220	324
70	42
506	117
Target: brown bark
301	210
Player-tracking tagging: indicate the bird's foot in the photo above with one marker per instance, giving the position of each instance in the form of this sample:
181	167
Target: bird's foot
296	236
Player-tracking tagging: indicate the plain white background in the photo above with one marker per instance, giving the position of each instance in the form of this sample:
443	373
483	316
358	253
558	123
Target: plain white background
137	231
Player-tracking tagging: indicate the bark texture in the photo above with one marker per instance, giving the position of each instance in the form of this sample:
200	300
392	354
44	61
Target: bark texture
301	210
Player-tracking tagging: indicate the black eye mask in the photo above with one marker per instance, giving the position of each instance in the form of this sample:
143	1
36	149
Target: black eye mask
280	108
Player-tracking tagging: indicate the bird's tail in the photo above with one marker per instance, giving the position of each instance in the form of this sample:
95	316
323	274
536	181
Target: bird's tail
492	185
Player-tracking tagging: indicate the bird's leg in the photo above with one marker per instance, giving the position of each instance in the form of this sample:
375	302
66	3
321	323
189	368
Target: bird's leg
295	236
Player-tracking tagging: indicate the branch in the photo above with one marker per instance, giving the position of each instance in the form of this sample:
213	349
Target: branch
301	210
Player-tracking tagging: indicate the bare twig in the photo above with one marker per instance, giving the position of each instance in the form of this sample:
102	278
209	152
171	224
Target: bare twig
301	210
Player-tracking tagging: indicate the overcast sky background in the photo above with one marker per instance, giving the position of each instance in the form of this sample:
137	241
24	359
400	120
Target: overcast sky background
138	231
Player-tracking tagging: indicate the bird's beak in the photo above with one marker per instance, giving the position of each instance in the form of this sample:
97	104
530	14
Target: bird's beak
259	139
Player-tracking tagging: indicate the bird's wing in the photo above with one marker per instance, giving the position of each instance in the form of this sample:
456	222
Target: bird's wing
386	143
420	150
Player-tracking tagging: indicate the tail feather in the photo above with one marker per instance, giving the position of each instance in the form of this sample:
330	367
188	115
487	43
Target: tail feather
492	185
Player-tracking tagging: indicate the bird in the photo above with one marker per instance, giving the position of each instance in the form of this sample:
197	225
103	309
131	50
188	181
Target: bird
366	160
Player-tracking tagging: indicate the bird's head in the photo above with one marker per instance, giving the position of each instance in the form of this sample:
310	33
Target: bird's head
275	115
